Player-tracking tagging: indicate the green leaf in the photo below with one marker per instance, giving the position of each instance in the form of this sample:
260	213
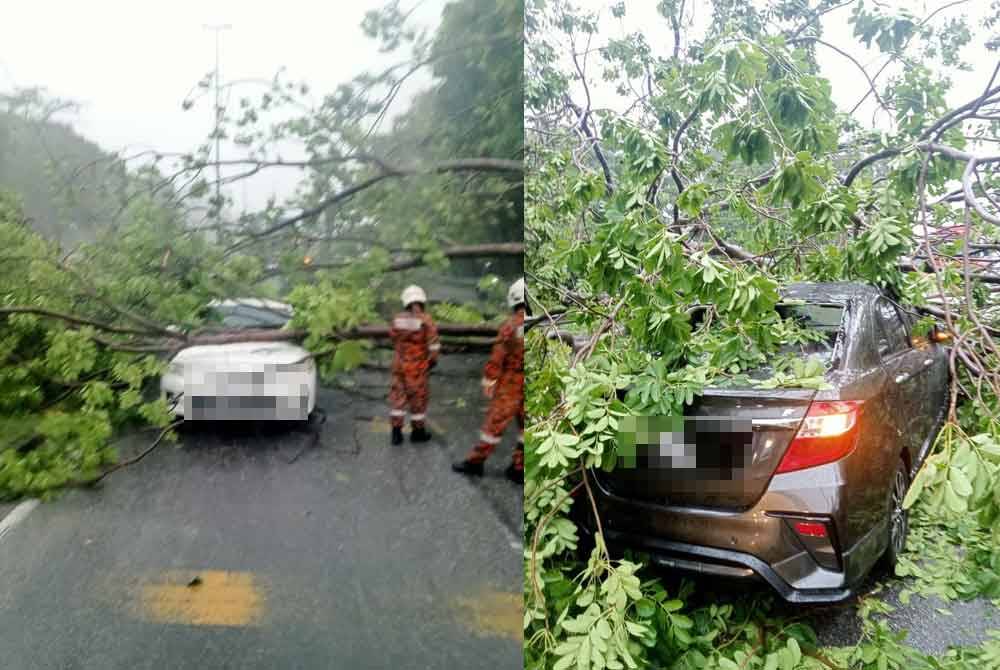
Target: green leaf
793	648
954	502
645	608
959	482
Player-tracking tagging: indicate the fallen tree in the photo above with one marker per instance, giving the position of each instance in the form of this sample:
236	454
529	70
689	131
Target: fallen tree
174	341
86	331
80	347
724	170
461	251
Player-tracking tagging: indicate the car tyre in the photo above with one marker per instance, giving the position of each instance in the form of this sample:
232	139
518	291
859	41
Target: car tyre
899	518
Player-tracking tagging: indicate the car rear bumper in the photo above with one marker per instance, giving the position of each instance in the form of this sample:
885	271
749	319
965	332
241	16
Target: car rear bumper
716	562
292	401
757	543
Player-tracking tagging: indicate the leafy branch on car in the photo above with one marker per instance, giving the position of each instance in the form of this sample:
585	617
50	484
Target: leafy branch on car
772	189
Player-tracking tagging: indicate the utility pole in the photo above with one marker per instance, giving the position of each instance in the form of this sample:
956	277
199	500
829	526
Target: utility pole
218	28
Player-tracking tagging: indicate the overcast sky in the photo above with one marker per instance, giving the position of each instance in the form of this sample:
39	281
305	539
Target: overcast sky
848	84
130	64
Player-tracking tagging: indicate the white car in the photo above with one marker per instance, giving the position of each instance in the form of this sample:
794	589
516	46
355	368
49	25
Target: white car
247	381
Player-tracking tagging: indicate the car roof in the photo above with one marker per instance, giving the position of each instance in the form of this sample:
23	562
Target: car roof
839	292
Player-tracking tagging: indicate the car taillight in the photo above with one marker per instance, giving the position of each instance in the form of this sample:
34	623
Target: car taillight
826	434
810	528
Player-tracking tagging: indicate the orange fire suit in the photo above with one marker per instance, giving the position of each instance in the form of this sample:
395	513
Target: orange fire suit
504	373
415	338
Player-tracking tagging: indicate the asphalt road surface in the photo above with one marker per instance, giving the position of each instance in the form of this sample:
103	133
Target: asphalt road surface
927	629
266	547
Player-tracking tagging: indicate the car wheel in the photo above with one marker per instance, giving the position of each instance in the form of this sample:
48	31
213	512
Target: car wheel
899	518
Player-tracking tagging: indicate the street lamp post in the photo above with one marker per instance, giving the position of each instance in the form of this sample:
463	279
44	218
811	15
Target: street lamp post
218	28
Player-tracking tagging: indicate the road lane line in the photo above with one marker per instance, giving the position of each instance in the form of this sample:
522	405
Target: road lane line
17	515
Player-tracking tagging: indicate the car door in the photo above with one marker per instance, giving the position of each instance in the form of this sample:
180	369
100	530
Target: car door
933	359
908	377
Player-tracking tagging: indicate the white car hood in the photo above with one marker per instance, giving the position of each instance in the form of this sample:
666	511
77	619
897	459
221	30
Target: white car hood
240	354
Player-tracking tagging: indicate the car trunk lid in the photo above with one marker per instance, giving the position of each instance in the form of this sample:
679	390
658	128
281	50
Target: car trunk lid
721	454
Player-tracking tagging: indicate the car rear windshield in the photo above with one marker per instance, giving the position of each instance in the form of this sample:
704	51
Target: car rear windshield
245	316
825	319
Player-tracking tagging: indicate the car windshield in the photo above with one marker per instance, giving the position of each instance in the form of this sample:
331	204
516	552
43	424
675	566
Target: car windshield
825	319
246	316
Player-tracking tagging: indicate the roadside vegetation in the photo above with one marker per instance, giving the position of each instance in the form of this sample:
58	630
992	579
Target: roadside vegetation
724	171
97	292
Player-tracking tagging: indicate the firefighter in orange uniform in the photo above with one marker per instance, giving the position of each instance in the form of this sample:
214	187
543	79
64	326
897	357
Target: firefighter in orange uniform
503	384
415	339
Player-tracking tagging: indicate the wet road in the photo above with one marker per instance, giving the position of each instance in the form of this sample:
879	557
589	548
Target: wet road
265	547
928	630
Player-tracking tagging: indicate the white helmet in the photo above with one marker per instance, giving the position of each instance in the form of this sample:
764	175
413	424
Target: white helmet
515	294
412	294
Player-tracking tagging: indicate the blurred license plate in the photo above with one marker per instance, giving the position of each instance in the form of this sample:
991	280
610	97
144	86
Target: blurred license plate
716	444
247	408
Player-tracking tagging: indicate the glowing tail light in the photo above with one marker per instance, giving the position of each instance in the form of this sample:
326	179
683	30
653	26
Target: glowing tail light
827	433
810	528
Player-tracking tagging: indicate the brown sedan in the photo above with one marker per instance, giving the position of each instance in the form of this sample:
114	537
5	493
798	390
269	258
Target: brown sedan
798	487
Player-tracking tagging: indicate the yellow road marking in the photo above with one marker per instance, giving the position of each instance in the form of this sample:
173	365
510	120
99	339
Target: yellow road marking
493	613
380	425
220	599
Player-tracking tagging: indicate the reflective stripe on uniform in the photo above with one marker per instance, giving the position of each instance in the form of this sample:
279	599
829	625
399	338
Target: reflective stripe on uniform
404	323
520	332
398	412
434	347
488	382
418	417
489	439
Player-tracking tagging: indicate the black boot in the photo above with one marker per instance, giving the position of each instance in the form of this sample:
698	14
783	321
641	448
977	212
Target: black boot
397	436
419	434
514	474
468	468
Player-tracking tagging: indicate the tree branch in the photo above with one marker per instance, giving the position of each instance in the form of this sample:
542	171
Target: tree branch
971	162
77	320
386	172
594	142
463	251
871	82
